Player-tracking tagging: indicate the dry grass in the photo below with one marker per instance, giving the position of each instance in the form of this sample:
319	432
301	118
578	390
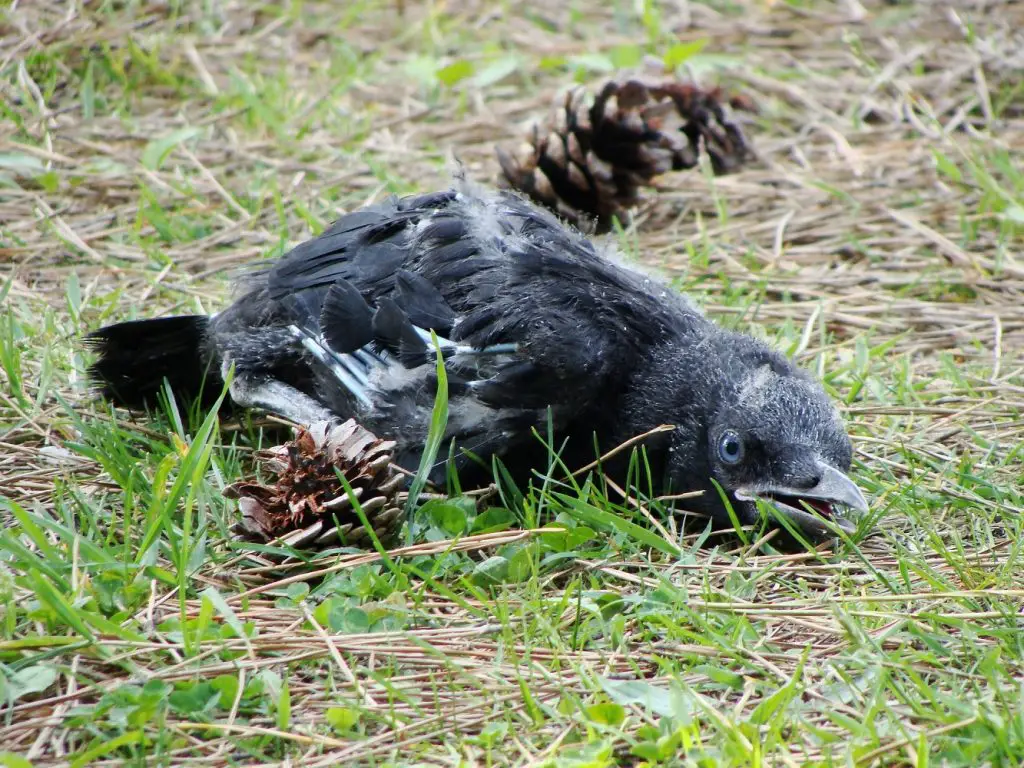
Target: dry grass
148	148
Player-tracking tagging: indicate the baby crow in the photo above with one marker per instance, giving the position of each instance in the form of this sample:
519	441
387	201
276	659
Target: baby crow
531	319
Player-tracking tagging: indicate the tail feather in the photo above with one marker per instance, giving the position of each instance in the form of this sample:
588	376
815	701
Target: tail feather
134	358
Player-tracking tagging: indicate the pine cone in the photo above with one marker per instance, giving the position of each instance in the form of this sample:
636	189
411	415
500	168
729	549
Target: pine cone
308	507
587	163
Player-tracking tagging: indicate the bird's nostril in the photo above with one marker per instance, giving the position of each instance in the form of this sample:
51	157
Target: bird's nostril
809	481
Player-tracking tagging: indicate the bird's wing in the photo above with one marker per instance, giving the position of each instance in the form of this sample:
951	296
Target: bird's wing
366	246
527	314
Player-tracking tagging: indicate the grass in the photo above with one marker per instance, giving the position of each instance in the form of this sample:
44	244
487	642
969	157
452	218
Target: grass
147	149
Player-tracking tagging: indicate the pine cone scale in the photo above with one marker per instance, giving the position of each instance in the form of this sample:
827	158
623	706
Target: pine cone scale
308	506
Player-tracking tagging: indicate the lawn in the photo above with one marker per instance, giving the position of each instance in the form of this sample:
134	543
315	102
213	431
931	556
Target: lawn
148	148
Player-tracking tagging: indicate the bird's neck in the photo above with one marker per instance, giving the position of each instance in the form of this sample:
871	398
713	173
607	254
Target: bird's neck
678	383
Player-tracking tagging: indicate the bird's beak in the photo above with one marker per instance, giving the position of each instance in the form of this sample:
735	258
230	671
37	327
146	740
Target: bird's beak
833	489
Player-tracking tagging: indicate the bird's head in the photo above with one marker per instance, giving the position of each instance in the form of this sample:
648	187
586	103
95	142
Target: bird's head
773	434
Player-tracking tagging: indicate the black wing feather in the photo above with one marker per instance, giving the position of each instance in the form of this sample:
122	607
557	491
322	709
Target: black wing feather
423	303
393	332
443	228
346	319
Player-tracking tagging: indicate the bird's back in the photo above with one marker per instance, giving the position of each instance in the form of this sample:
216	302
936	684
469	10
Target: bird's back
491	255
529	314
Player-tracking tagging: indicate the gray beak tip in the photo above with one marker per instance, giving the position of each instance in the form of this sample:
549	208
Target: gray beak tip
837	486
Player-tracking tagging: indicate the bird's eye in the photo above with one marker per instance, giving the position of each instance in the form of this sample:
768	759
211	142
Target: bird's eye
730	448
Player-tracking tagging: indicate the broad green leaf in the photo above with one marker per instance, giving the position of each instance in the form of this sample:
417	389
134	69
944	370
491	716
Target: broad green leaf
342	719
492	734
157	151
592	62
21	164
493	519
347	619
422	69
271	682
548	63
680	52
1015	213
11	760
193	697
626	56
28	680
721	675
449	517
607	714
496	71
227	687
636	692
455	72
493	570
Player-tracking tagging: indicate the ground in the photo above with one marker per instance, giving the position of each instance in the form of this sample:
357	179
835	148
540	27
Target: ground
148	148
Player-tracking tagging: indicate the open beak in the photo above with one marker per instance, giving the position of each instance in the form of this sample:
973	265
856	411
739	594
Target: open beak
833	494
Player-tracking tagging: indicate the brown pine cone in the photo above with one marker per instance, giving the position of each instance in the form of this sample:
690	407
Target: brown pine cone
308	507
587	162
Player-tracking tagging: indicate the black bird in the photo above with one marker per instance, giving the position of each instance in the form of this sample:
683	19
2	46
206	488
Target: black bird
529	316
